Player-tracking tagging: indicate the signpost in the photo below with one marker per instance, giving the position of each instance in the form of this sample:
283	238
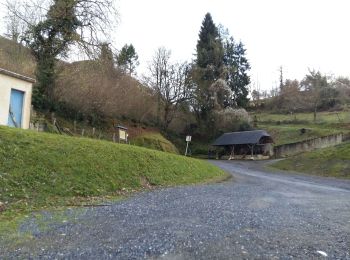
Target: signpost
188	140
122	134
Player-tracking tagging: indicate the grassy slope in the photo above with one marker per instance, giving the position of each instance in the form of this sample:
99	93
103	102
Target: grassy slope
285	134
286	128
322	117
334	161
139	135
155	141
39	170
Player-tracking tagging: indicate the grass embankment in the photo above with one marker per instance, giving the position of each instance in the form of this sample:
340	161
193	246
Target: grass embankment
139	135
155	141
39	170
331	162
302	118
286	128
286	134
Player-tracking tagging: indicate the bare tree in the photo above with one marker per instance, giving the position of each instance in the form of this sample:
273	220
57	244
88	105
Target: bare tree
314	84
170	82
20	15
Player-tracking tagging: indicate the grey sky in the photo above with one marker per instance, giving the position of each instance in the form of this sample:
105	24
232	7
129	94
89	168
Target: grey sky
297	34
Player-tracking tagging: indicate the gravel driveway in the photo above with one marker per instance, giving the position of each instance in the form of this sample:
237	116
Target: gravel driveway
256	215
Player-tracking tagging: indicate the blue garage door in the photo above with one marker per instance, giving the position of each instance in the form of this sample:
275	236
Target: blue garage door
16	108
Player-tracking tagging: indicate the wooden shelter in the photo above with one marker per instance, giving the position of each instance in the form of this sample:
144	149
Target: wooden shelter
257	143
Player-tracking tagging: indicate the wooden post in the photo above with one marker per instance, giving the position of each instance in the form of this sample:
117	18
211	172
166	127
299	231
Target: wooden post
186	149
82	132
232	155
93	131
114	137
75	126
338	117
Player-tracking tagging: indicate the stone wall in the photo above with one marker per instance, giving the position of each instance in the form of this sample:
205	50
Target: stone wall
308	145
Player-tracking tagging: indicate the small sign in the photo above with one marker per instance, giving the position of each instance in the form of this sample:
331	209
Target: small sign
122	135
188	138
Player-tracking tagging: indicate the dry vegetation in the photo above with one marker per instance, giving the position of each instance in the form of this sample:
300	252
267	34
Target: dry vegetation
94	89
16	58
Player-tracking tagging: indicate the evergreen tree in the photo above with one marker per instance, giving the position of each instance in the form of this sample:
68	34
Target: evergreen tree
236	68
106	54
47	40
209	49
208	66
128	59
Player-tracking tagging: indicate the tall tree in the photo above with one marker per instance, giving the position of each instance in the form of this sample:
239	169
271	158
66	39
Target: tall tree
127	59
106	55
236	69
208	66
170	82
209	49
282	84
47	40
317	90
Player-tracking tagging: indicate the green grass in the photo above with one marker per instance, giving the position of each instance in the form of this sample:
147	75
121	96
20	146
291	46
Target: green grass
39	170
322	118
285	134
155	141
331	162
285	128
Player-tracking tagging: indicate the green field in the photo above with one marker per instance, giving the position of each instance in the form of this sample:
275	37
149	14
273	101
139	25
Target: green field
285	134
330	162
39	170
287	128
341	117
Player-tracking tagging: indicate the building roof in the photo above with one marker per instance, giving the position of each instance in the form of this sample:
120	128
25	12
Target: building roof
121	127
247	137
16	75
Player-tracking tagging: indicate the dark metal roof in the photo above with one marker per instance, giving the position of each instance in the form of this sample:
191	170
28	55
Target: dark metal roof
121	127
16	75
247	137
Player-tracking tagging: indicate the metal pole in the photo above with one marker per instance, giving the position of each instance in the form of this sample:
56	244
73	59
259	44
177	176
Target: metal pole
186	149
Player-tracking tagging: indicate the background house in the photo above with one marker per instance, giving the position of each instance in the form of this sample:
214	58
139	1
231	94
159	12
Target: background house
15	99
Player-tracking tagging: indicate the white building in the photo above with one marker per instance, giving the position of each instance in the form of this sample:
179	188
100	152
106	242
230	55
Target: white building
15	99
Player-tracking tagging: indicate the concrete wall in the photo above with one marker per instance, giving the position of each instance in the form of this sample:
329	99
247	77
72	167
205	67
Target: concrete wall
6	84
308	145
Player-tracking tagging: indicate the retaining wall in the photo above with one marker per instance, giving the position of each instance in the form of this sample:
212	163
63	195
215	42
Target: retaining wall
308	145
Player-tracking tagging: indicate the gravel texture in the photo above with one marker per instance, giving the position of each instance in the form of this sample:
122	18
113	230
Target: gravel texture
255	215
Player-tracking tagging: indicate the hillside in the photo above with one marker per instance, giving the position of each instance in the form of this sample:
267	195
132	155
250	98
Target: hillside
16	58
156	141
287	128
39	170
334	162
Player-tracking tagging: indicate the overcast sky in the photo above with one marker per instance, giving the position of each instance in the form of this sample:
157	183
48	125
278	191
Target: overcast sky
295	34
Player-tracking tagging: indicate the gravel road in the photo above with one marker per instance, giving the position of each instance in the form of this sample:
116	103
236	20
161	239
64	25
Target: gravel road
255	215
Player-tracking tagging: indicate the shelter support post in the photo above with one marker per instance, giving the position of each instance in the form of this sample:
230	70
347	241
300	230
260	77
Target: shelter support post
232	155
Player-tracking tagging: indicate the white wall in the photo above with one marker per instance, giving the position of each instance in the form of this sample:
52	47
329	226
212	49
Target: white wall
6	84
